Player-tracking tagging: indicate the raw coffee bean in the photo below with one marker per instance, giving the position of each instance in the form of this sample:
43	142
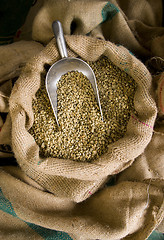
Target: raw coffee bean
82	135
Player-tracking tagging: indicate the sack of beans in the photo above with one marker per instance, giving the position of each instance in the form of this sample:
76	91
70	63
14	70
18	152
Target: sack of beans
76	158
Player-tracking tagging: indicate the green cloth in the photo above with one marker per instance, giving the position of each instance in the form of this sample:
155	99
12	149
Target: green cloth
156	236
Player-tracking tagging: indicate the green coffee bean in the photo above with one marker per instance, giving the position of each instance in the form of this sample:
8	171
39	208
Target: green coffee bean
82	136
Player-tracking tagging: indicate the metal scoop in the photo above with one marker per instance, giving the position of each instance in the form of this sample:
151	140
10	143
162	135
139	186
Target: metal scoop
66	64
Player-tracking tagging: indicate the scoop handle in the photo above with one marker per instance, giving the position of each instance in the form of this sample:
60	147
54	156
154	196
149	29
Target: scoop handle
58	33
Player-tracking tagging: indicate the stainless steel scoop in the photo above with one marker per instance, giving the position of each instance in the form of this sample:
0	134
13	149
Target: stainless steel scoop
66	64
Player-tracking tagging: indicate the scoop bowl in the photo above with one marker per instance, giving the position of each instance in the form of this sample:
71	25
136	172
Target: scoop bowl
61	67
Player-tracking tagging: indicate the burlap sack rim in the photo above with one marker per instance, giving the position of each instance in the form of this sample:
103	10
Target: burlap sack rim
98	168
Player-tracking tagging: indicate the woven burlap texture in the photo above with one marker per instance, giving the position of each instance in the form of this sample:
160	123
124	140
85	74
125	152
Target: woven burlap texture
135	24
129	210
63	177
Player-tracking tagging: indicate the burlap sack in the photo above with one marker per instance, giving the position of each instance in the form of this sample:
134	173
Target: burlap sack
160	91
130	210
135	24
14	56
148	167
5	90
66	178
5	121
